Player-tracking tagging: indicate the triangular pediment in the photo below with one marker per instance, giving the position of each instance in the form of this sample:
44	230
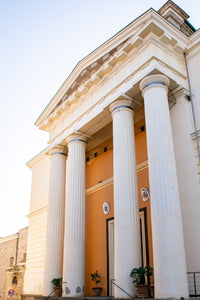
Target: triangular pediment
89	72
89	65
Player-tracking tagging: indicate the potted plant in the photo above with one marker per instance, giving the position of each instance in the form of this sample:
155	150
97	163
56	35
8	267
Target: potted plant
138	275
57	286
96	278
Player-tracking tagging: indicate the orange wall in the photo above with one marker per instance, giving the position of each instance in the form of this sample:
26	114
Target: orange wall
96	248
143	182
100	169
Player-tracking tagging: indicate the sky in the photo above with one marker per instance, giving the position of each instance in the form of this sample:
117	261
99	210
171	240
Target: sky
41	42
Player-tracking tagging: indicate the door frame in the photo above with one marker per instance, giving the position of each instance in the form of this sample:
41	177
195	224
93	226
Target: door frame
141	210
108	260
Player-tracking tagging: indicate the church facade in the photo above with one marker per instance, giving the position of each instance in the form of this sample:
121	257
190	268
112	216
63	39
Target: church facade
118	186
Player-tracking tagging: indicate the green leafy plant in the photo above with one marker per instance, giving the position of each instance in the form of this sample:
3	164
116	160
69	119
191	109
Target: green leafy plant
57	282
95	277
138	274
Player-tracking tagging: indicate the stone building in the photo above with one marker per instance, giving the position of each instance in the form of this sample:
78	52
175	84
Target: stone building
118	185
13	249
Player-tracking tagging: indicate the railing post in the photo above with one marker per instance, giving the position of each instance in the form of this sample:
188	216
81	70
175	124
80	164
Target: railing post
111	289
195	288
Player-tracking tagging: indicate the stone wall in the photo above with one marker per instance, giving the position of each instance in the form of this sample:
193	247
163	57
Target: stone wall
7	259
12	264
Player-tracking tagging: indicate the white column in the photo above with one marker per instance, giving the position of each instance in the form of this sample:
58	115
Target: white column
55	219
74	240
126	213
170	278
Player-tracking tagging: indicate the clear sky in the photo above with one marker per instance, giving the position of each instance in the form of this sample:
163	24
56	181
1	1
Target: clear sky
41	42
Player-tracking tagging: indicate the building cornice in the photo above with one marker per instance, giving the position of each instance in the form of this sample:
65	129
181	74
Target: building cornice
9	238
38	212
39	157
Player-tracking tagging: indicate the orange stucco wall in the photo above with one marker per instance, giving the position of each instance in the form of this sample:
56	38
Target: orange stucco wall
143	182
97	171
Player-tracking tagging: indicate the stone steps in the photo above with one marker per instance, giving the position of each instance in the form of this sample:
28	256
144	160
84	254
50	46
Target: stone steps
40	297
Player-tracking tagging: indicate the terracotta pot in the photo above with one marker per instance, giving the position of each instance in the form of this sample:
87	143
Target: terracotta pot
96	291
141	290
151	289
57	291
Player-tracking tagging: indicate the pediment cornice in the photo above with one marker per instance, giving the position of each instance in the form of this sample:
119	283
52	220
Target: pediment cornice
106	49
89	71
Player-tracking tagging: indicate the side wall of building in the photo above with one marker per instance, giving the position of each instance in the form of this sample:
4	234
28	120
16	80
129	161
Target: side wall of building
15	274
186	162
37	227
193	60
12	264
7	259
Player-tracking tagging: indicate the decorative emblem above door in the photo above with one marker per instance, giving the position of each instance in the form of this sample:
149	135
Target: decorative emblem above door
144	194
106	208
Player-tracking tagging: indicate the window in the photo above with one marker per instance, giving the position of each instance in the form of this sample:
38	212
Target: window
14	281
11	261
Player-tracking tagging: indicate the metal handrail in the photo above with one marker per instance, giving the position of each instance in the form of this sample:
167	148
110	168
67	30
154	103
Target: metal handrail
49	295
196	294
113	283
46	298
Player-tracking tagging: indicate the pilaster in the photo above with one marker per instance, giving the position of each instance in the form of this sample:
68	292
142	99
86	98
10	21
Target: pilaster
189	187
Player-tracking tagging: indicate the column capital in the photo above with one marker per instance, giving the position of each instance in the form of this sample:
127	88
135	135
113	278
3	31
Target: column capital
57	150
181	92
154	80
77	137
123	102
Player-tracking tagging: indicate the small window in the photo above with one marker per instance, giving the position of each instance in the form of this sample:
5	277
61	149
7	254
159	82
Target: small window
24	256
14	281
11	261
95	154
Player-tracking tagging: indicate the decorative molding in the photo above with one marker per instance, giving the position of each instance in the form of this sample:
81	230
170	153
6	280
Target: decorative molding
99	186
57	150
35	160
107	182
194	136
9	238
37	212
142	166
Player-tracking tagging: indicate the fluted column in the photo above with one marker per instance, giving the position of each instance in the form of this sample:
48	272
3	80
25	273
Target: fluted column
74	240
170	278
126	213
55	218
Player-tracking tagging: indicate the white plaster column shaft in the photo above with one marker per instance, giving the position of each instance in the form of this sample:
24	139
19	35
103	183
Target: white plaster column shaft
74	240
126	213
170	277
55	219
